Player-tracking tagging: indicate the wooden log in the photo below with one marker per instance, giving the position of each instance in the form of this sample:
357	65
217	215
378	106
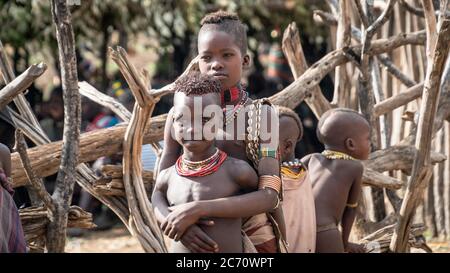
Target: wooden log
293	51
395	71
20	101
27	122
447	180
36	183
35	221
378	242
65	180
295	93
430	213
438	186
45	159
90	92
401	99
143	224
421	171
21	83
343	39
397	158
376	179
385	60
443	112
116	171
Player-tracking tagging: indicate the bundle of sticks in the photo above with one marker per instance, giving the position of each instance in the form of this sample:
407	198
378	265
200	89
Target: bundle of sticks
111	181
35	220
378	241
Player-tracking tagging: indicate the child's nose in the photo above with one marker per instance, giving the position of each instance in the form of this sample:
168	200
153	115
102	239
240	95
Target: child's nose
216	65
192	131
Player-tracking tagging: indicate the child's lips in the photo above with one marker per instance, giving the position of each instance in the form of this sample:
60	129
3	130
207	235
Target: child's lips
220	76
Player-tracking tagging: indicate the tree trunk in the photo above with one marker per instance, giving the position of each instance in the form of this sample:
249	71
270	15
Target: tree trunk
65	181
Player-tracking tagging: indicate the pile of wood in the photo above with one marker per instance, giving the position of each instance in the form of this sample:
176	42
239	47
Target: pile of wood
111	181
36	219
379	241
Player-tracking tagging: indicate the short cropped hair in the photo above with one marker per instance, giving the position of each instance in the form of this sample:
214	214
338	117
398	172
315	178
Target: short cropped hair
228	23
197	84
287	112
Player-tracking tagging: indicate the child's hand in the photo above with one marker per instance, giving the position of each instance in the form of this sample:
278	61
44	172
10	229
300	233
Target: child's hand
179	219
197	241
355	248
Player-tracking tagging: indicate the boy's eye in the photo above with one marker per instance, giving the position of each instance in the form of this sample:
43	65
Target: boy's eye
227	55
205	58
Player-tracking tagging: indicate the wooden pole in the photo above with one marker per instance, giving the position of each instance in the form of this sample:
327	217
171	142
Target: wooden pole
421	173
65	181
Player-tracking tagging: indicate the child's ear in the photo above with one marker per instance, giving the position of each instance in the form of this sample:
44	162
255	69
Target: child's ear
350	144
288	146
246	61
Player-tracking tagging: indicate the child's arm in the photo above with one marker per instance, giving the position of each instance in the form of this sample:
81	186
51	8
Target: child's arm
240	206
159	199
195	239
350	210
172	148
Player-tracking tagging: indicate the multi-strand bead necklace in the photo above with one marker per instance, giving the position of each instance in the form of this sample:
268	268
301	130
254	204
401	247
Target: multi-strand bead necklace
205	167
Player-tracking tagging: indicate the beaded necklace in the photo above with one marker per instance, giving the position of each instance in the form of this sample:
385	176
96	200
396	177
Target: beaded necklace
205	167
231	95
232	114
287	166
336	155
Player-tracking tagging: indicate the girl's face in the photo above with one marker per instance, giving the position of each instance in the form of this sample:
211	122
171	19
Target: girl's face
220	57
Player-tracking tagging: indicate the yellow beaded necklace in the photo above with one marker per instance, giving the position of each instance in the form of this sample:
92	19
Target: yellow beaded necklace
288	172
336	155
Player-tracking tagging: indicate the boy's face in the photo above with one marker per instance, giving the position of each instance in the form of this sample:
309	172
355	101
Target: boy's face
220	57
195	120
362	145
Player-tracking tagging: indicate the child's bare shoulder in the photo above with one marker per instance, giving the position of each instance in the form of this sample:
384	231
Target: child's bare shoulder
4	149
5	154
236	166
164	175
355	165
307	158
241	172
355	168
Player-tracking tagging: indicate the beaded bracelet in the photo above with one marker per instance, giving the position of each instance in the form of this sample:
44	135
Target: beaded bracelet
266	152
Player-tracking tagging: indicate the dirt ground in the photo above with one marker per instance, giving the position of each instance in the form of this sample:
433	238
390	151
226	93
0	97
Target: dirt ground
119	240
115	240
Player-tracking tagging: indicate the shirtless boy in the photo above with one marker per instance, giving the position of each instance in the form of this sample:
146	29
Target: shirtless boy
202	172
336	177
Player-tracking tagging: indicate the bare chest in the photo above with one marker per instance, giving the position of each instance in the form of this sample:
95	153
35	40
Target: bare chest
187	189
